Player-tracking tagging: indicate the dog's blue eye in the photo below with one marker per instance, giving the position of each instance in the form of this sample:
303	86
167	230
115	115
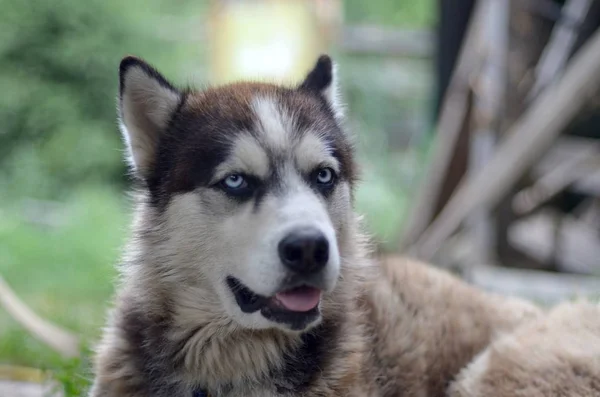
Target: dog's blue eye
235	181
325	176
238	186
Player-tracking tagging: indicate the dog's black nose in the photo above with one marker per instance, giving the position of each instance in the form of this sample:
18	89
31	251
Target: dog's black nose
304	250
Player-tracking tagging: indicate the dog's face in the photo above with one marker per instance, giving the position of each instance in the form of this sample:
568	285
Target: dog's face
253	183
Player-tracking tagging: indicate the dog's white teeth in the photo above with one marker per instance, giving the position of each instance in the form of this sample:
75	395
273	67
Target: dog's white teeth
301	299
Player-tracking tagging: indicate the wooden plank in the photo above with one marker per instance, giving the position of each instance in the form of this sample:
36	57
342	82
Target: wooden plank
577	168
543	287
562	41
24	389
590	184
450	132
528	36
564	150
526	141
57	338
488	109
579	244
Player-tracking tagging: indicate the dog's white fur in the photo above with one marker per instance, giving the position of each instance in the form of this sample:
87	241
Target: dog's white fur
333	95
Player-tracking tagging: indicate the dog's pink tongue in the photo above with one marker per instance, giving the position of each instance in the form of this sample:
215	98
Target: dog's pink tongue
300	299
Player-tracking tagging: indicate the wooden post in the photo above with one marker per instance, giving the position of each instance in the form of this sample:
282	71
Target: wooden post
525	142
451	30
489	92
58	339
563	39
527	38
449	157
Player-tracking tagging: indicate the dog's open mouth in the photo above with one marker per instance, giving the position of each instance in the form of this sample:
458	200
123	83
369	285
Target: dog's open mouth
296	306
299	299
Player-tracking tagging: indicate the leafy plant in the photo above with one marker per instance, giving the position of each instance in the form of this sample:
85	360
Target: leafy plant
58	77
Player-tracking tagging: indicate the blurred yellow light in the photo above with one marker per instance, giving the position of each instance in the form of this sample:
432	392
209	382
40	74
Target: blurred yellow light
264	40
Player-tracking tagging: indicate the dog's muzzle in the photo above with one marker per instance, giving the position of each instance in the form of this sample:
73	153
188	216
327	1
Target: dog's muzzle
304	252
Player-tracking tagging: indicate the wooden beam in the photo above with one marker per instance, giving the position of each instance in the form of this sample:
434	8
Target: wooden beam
58	339
526	141
546	288
528	35
450	131
488	110
563	175
578	243
562	41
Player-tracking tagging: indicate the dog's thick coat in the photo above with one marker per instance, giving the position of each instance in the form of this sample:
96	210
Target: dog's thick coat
224	174
555	355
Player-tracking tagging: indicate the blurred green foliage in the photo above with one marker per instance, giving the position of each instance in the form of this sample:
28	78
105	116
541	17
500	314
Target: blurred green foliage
65	272
58	63
405	13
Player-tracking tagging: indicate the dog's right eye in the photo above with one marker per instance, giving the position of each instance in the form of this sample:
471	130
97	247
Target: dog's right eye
235	181
237	185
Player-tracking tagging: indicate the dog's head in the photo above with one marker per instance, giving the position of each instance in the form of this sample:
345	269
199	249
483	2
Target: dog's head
252	183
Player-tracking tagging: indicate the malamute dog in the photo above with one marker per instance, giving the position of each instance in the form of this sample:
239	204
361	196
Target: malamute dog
247	274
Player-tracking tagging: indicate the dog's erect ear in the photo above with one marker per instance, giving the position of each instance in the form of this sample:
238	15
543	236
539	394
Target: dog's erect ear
146	104
323	79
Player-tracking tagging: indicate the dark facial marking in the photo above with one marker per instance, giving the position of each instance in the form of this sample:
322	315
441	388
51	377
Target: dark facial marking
154	358
303	365
248	301
198	138
261	193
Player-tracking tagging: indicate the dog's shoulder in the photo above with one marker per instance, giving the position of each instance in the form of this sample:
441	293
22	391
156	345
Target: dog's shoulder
427	292
425	324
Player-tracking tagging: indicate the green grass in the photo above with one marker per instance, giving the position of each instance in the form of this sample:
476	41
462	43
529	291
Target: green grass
65	273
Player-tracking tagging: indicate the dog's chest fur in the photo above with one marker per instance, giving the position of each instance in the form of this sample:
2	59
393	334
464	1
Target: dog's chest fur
152	357
150	360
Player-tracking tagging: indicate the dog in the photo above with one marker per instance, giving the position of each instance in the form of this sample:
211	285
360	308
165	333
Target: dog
247	272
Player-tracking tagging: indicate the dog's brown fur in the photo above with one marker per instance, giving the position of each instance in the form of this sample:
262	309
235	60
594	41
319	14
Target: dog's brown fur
426	325
555	355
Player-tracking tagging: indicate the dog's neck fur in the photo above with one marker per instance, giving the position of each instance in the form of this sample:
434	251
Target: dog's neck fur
209	350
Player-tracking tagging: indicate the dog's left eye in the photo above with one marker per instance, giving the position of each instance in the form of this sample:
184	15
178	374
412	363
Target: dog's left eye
323	178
